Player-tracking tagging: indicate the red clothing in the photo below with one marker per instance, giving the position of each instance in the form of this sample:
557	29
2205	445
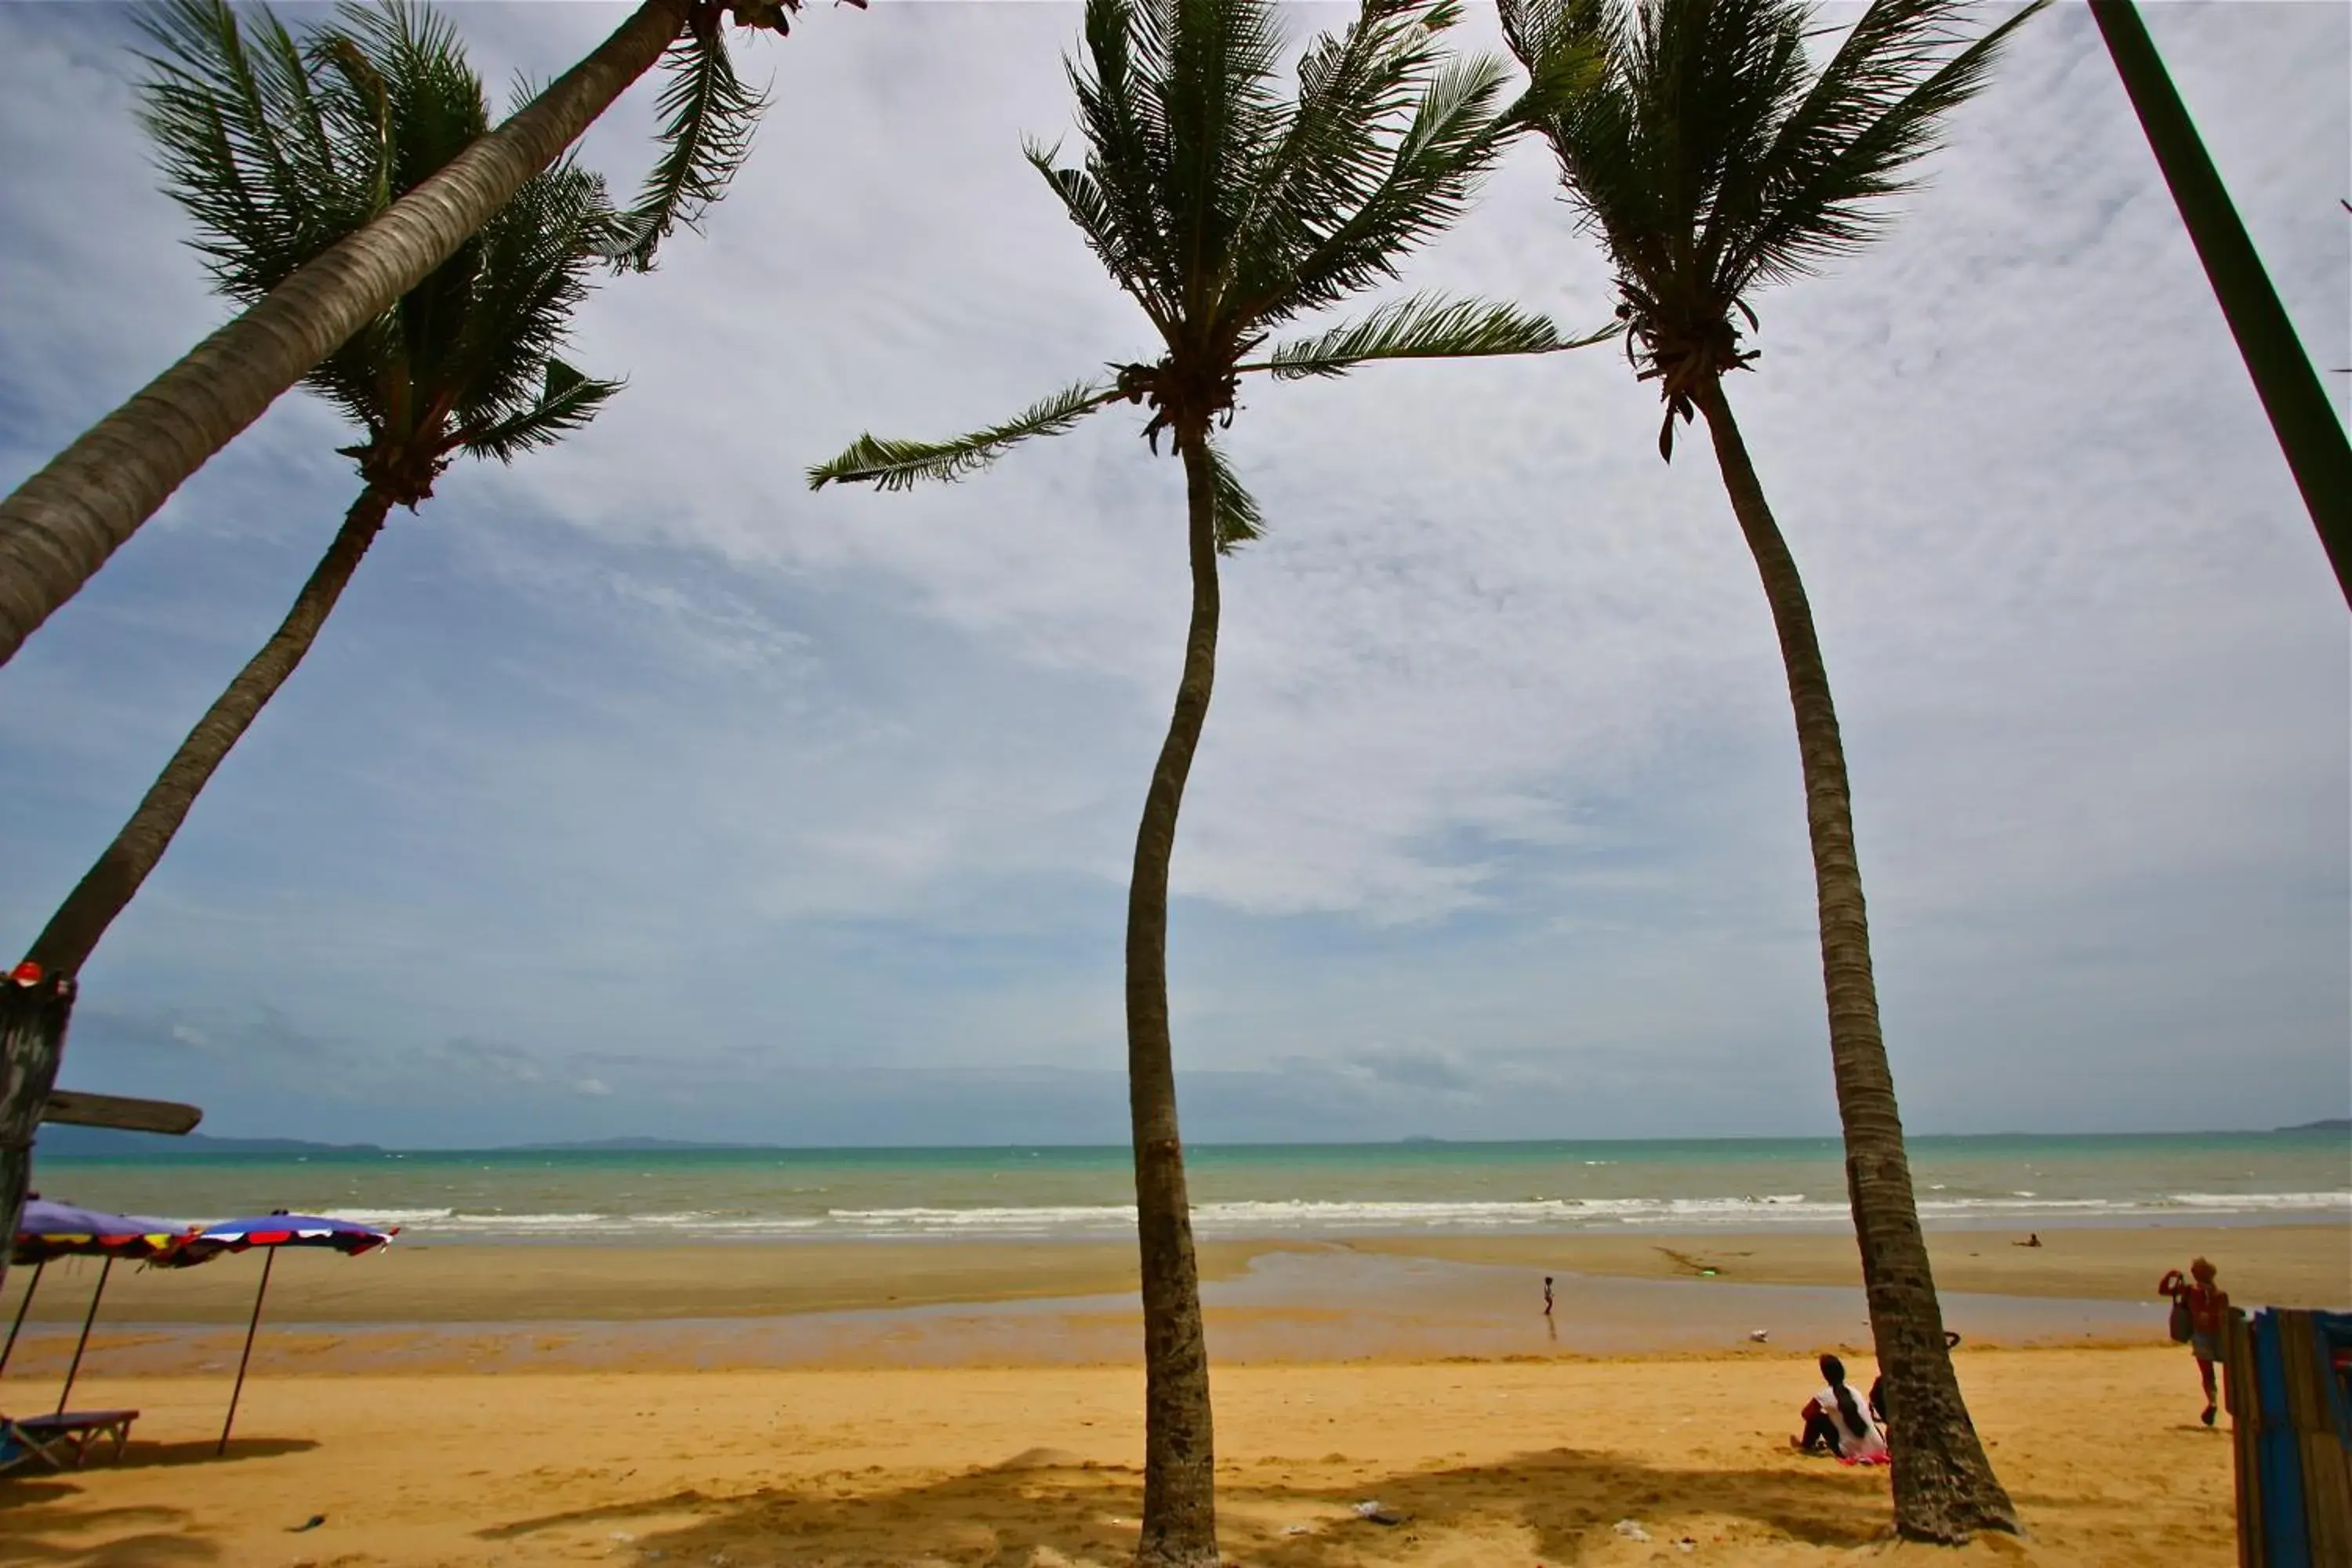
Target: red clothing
2208	1305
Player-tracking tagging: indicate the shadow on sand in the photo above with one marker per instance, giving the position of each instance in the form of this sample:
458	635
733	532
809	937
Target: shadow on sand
1045	1507
36	1509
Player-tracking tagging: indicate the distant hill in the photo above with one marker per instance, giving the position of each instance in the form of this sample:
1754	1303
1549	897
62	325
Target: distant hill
2328	1124
59	1138
625	1145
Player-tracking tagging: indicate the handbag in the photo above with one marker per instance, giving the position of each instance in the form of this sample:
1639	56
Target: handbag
2182	1326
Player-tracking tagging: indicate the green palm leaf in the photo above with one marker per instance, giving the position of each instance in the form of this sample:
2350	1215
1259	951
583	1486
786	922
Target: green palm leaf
1236	519
709	118
567	401
902	465
279	147
1424	327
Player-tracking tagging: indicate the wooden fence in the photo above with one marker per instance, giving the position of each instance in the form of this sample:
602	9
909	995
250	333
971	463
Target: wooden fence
2289	1377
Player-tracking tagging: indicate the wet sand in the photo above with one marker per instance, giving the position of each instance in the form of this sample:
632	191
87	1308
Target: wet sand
415	1281
1492	1464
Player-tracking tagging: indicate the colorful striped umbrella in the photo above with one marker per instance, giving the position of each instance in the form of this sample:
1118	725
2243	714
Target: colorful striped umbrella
49	1229
272	1231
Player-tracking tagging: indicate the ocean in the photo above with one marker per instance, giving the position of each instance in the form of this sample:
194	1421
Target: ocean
670	1195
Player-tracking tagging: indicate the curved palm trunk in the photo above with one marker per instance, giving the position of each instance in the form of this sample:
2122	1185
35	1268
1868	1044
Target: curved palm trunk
1944	1486
1180	1505
58	527
28	1065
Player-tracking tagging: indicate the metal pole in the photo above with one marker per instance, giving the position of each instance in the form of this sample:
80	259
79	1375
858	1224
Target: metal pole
2302	415
23	1306
268	1257
83	1343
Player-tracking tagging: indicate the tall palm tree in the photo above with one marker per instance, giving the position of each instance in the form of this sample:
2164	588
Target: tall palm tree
58	527
1225	211
1715	159
278	148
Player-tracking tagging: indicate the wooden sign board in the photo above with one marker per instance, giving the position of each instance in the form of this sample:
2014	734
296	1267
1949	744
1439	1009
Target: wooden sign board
115	1110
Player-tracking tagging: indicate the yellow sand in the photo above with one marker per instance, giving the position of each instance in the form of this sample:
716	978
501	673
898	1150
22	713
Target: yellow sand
413	1283
1495	1464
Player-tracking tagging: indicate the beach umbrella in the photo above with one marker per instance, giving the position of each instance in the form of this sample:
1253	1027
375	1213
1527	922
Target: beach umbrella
50	1229
272	1231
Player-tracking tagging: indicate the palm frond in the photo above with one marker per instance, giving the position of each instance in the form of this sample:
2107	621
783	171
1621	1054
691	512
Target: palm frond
1874	112
1454	137
567	402
278	149
901	465
1126	132
1422	327
1236	519
709	119
1355	86
1218	102
1129	257
242	141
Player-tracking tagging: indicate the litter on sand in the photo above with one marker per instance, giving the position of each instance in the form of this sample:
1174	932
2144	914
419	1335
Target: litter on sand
1631	1530
1372	1511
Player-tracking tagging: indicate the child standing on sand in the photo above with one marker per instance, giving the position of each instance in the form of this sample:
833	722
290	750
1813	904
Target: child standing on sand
2198	1306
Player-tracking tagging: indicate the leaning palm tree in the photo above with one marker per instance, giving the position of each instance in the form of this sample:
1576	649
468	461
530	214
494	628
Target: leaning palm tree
276	149
1225	211
58	527
1715	159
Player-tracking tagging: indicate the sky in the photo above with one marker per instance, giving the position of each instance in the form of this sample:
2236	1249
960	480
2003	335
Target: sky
636	790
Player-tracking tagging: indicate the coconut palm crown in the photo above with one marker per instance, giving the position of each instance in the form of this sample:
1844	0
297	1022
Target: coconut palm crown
278	149
1715	158
1224	209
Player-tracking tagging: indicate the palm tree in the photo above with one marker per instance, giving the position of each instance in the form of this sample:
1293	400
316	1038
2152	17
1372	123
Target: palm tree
1224	212
58	527
276	149
1715	159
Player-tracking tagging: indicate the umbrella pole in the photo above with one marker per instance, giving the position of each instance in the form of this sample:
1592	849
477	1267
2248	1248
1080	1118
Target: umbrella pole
83	1343
23	1306
269	1257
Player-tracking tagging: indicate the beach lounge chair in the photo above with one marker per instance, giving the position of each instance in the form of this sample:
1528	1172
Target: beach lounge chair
64	1440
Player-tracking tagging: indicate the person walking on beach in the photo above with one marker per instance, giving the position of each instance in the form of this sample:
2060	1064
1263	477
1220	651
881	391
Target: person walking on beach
2199	1307
1547	1295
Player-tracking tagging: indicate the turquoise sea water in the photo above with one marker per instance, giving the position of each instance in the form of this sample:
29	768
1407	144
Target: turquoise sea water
765	1195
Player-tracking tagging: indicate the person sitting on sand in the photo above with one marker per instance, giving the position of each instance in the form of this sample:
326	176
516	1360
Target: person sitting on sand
2205	1305
1834	1422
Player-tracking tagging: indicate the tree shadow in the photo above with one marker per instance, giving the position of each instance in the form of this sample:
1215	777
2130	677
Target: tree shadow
1042	1511
151	1535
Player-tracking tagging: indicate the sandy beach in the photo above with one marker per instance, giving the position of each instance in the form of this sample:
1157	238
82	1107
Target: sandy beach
1493	1464
897	1404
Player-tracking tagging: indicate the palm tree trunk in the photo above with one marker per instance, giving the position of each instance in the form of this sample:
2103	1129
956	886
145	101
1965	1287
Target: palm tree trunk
1180	1504
29	1052
108	886
1944	1486
32	1038
58	527
2302	415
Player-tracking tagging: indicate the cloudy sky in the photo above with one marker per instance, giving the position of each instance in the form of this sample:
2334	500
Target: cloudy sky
636	790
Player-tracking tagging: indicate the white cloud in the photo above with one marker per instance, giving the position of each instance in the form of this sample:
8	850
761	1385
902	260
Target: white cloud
1500	760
